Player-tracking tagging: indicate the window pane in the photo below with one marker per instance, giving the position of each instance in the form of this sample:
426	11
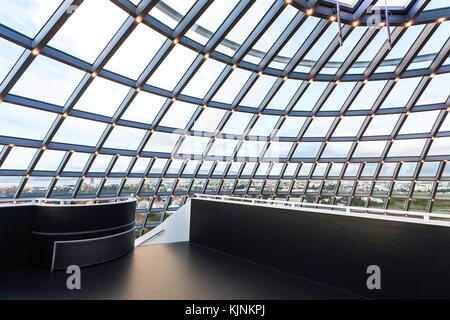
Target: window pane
84	35
22	122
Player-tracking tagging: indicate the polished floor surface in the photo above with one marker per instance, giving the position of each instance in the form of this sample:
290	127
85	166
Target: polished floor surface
167	271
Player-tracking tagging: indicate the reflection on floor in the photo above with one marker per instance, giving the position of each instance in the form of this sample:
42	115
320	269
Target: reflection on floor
168	271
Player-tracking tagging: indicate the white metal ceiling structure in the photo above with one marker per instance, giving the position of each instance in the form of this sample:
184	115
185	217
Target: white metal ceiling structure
337	102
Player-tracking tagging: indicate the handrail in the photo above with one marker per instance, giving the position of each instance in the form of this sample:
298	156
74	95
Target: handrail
335	208
64	201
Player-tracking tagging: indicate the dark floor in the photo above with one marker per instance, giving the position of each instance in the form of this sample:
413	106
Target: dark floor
167	271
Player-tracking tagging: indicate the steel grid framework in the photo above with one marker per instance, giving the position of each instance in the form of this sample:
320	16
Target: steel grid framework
294	185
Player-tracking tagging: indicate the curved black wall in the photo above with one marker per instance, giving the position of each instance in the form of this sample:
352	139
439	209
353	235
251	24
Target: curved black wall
30	233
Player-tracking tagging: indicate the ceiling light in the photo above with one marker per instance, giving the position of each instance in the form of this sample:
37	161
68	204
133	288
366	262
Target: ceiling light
35	51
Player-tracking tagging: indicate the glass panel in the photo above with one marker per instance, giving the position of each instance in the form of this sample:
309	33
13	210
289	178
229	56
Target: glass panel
432	47
251	149
369	169
223	147
175	166
263	169
203	79
130	186
193	145
429	169
209	120
231	87
305	169
271	35
284	94
401	93
307	150
319	127
102	97
190	167
291	127
89	186
436	91
443	190
440	146
299	186
205	167
352	170
79	131
21	122
319	47
264	125
401	188
36	187
419	122
33	14
343	51
382	188
50	160
256	186
213	185
198	185
248	169
121	164
171	14
136	52
149	185
236	166
423	188
441	206
19	158
144	108
311	95
294	43
183	185
111	186
241	185
320	169
382	125
84	35
290	170
314	186
338	96
166	185
346	187
173	67
408	169
336	169
369	53
77	162
64	187
388	169
397	204
348	127
368	95
337	150
400	49
237	123
158	166
329	186
244	26
227	186
210	20
161	142
409	148
101	163
258	91
124	138
369	149
178	115
55	87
